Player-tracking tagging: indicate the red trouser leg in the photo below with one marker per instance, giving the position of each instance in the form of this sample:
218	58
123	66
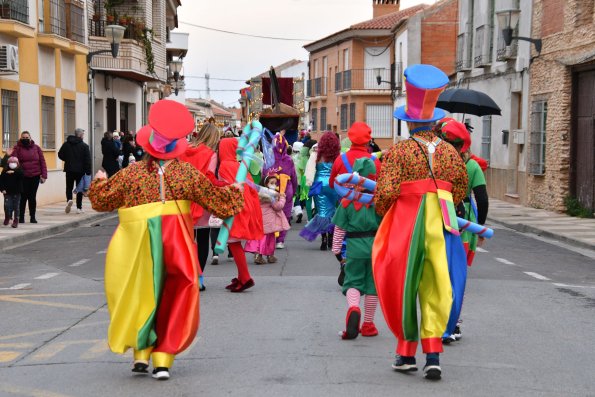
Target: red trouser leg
239	256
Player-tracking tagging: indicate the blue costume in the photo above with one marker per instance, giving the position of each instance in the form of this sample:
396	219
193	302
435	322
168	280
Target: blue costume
325	199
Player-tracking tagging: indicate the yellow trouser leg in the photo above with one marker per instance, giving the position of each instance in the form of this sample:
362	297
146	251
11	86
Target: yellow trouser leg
161	359
143	355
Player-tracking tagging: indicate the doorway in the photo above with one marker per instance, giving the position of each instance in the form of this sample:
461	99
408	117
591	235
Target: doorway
584	142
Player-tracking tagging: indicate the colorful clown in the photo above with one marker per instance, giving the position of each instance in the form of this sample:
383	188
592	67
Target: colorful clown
420	181
151	270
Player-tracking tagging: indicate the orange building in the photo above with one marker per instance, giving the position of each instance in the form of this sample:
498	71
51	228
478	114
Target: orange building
352	74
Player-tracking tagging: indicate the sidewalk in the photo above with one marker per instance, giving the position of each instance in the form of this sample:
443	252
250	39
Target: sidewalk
575	231
52	220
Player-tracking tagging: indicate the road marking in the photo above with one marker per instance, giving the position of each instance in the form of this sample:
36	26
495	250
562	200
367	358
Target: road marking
46	276
100	347
21	299
101	252
8	356
50	351
21	391
537	276
573	286
479	249
81	262
505	261
51	330
18	286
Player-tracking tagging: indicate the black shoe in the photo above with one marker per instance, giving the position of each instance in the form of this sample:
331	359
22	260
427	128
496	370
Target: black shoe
329	241
323	245
140	367
33	220
432	368
457	333
161	373
202	288
299	218
404	364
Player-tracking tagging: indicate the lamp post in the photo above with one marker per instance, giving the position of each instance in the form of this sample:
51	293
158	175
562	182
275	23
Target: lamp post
508	20
114	35
175	66
393	90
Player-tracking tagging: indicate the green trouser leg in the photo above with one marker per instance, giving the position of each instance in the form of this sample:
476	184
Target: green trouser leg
309	207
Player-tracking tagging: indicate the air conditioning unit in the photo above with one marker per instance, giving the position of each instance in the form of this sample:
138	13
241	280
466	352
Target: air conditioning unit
9	59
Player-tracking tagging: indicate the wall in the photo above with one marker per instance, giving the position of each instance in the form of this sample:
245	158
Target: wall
439	35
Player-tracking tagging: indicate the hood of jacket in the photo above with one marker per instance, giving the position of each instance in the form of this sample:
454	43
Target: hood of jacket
74	140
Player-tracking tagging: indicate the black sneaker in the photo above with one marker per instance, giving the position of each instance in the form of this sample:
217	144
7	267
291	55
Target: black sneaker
457	334
432	370
161	373
341	277
447	339
299	218
404	364
140	367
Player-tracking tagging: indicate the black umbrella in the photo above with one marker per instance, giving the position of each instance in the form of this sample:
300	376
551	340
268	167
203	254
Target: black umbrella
463	100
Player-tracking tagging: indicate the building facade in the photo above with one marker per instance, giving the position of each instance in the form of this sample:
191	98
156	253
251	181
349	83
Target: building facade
352	74
484	63
561	142
43	78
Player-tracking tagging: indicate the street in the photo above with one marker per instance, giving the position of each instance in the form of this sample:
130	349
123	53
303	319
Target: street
528	327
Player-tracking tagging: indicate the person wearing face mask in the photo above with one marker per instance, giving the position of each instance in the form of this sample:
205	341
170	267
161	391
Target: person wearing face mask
273	220
32	162
11	184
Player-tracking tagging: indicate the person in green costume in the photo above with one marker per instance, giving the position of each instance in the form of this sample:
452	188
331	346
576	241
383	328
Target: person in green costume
359	222
300	169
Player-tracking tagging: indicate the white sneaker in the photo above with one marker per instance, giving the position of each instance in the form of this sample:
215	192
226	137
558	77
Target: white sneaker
280	246
68	206
161	373
80	211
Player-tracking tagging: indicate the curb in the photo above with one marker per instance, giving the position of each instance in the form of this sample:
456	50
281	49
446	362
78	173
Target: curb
523	228
10	242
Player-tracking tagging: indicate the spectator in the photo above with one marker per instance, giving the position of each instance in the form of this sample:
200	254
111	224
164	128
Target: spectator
77	163
35	172
110	152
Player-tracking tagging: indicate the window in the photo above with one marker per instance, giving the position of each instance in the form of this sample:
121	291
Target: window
379	118
17	10
486	138
57	18
537	138
48	122
346	59
69	118
314	119
75	20
351	114
10	118
323	125
157	19
344	117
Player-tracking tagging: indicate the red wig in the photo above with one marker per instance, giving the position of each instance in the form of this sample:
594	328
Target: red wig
329	147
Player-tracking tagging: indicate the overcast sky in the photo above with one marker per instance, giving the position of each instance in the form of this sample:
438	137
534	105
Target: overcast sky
235	57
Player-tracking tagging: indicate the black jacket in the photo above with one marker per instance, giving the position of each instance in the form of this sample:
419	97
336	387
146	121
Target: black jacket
76	155
127	150
11	181
110	156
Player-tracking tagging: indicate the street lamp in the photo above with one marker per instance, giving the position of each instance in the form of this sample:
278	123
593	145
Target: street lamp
114	35
508	20
392	85
175	67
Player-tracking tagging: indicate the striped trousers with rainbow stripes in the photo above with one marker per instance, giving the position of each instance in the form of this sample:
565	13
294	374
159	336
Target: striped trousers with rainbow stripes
414	256
151	277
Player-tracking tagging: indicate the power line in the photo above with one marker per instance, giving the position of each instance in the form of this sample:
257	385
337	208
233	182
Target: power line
244	34
212	78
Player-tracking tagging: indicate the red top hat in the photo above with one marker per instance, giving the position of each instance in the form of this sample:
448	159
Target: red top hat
169	123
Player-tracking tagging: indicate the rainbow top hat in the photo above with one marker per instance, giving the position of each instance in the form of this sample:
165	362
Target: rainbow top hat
423	83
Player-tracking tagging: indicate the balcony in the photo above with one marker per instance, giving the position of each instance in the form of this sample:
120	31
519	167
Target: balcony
463	62
134	30
364	81
316	87
64	26
14	19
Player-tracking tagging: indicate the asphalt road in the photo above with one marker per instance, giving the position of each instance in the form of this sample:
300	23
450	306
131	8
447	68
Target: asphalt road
528	328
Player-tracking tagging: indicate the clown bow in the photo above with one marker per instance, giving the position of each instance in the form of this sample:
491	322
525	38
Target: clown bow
248	142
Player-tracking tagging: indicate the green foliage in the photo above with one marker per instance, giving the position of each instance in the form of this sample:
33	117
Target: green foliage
146	40
575	208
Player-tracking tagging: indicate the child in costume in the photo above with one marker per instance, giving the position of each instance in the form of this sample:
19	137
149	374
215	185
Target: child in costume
325	197
420	181
304	198
151	271
11	185
274	221
284	167
476	202
358	222
247	225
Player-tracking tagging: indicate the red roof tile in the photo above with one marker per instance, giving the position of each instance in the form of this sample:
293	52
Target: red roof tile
388	21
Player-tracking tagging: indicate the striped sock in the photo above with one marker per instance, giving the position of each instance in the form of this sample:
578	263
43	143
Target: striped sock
353	297
370	304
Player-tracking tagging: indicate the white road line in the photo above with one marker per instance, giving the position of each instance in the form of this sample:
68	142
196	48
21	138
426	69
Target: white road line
573	286
479	249
18	286
46	276
81	262
505	261
537	276
101	252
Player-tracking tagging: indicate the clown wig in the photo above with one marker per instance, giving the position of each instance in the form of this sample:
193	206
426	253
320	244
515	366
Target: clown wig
329	147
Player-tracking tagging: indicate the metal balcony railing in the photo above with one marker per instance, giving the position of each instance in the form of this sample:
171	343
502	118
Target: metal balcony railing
57	18
133	30
363	79
316	87
75	20
17	10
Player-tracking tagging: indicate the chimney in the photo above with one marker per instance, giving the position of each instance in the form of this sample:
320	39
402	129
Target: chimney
383	7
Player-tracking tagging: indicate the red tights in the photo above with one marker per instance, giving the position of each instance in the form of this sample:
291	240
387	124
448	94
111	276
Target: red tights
239	256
